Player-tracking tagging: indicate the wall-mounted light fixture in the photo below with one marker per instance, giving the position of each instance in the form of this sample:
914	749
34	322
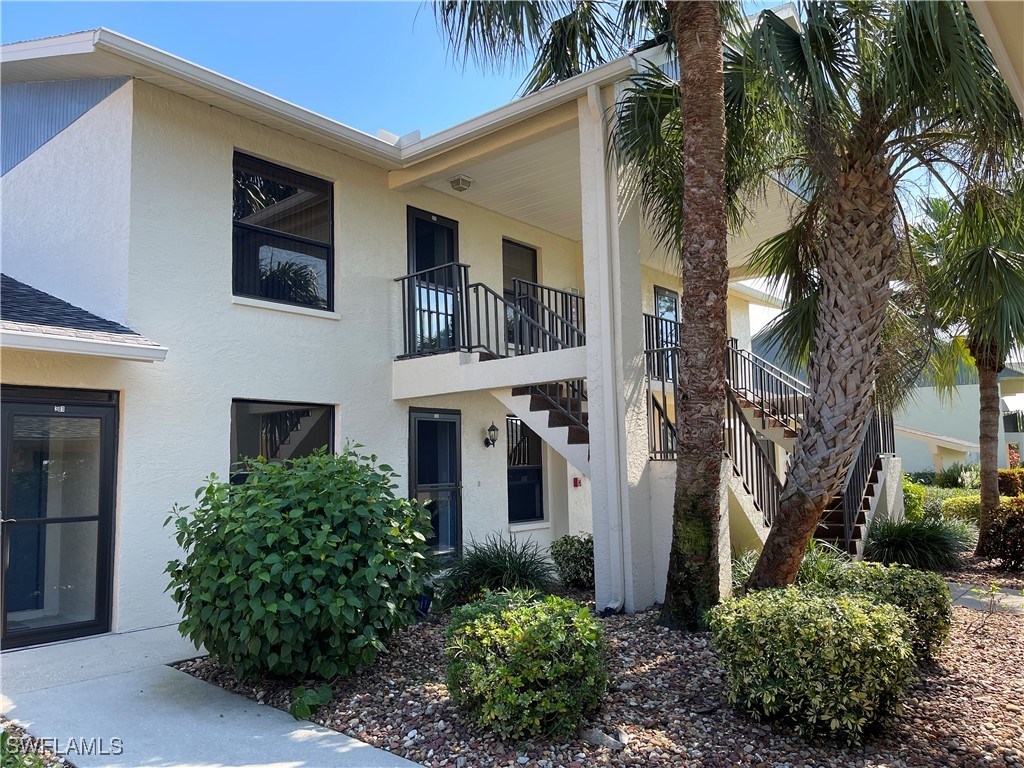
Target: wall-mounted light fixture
492	436
460	183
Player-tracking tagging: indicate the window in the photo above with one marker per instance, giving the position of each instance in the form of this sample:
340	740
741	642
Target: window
525	473
282	235
666	332
278	431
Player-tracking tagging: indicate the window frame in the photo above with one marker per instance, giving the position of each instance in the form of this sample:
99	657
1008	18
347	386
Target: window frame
274	233
295	405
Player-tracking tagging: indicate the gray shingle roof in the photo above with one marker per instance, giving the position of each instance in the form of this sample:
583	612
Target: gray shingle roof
24	309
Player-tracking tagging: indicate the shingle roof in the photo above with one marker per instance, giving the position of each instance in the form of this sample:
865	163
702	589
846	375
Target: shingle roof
24	309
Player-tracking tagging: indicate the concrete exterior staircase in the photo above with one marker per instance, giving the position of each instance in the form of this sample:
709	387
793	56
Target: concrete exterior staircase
554	425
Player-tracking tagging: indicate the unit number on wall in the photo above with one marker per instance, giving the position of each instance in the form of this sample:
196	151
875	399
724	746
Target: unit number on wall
59	408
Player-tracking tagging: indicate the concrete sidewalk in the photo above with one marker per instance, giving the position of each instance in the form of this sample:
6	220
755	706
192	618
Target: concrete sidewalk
1006	600
96	690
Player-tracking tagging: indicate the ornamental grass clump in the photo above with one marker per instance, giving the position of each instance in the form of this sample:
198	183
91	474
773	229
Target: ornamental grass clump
303	570
495	564
574	559
823	663
924	596
522	665
930	545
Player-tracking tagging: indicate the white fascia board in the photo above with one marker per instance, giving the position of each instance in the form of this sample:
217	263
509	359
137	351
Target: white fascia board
520	109
63	45
932	438
140	53
68	345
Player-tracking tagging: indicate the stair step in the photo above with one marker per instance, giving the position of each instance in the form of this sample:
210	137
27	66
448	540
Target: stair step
485	356
561	419
520	391
578	435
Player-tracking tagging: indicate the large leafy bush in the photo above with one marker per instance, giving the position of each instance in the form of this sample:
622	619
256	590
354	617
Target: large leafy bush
966	507
930	545
302	570
959	475
824	663
521	665
1011	482
913	499
574	559
495	564
1006	540
924	596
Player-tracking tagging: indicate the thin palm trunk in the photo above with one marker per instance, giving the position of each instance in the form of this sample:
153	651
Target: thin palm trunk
693	574
988	439
856	266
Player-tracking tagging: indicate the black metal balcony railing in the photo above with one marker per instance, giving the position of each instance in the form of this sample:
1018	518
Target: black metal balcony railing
561	313
444	312
778	397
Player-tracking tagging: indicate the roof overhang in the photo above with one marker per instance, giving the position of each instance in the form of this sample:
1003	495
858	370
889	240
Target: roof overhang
1002	23
73	345
104	53
931	439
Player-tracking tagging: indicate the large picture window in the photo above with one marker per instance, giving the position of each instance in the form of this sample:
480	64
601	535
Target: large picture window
278	431
283	234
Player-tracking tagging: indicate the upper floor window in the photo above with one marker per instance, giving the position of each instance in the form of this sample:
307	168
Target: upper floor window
283	233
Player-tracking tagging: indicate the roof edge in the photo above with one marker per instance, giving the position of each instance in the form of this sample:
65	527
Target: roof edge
68	345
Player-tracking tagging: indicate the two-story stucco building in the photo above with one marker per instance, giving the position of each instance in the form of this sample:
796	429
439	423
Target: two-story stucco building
197	271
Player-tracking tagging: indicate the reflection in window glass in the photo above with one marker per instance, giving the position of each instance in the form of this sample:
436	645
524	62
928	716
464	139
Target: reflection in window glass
278	431
282	234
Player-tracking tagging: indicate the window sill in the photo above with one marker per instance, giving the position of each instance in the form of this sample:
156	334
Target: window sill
291	309
539	525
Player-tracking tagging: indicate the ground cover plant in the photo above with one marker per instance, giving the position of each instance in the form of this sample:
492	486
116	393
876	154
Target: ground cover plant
822	663
521	664
304	569
494	564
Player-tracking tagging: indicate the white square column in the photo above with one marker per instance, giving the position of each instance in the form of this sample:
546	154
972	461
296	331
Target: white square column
616	384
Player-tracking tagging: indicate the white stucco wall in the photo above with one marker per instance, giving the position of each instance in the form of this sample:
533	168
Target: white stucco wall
64	220
958	419
173	282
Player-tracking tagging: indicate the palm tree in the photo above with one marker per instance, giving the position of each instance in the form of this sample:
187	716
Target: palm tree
565	39
975	259
867	97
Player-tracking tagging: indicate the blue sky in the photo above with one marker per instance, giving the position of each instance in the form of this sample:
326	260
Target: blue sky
367	64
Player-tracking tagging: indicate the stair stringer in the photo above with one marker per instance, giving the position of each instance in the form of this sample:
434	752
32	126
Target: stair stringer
746	523
577	454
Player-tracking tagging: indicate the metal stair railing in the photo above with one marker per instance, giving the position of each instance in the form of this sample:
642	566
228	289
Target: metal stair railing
750	461
779	397
563	313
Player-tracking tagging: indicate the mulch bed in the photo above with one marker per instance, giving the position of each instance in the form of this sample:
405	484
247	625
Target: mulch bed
667	693
978	570
50	760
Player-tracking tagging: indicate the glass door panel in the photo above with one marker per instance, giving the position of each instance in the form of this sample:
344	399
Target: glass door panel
434	305
436	472
57	518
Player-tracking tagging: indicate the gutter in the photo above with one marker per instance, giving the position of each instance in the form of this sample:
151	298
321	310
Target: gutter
44	342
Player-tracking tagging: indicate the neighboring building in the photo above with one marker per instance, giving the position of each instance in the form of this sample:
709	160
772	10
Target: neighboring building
934	431
198	271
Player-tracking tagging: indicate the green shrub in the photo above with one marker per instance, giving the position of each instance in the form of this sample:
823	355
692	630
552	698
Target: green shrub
933	498
930	545
302	570
913	499
820	565
520	665
823	663
958	475
922	478
495	564
924	596
1006	538
1011	482
966	507
574	559
12	756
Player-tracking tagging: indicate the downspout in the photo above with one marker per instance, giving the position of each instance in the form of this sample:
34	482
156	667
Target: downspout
614	440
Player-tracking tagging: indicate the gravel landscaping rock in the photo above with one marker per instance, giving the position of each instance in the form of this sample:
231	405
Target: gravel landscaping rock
667	697
27	743
982	572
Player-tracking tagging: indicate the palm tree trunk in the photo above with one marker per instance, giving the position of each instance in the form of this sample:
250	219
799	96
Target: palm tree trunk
693	571
858	245
988	440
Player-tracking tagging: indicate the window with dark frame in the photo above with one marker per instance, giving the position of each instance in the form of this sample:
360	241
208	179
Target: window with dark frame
525	473
283	234
277	431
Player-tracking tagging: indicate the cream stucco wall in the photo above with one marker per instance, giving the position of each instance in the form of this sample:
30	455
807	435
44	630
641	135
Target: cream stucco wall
167	274
64	219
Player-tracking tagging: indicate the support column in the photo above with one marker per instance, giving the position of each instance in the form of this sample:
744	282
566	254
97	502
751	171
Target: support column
617	394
